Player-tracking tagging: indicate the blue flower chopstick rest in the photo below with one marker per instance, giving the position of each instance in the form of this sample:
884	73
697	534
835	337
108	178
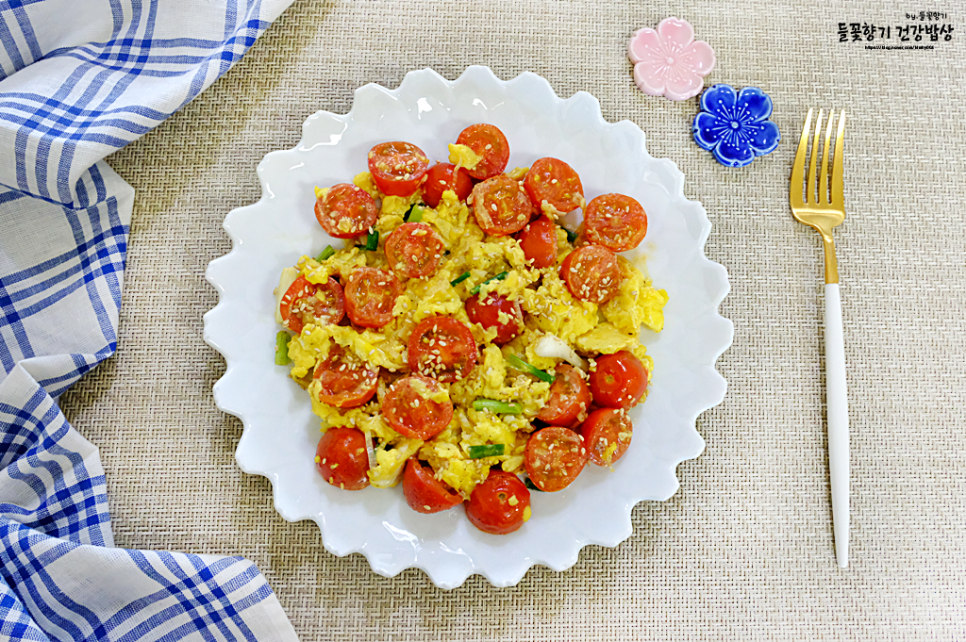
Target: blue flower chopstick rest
734	126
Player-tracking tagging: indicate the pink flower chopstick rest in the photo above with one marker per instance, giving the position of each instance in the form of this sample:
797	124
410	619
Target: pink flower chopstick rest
669	61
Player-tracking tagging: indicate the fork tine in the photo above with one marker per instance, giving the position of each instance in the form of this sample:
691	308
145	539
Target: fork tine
837	162
823	162
812	183
798	168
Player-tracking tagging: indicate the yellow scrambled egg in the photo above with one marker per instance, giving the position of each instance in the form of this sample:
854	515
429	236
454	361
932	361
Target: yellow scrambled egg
549	308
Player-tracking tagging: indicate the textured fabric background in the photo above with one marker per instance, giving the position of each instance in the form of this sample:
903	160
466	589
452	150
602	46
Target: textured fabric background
744	549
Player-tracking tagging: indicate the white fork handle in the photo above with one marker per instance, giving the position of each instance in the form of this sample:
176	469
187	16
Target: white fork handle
837	403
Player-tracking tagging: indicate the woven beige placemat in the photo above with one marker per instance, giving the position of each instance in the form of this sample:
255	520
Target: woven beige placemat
744	549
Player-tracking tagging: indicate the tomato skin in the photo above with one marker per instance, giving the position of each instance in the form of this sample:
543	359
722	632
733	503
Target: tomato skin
345	382
446	363
605	427
539	242
424	493
489	507
370	296
440	178
591	273
569	398
412	416
486	310
619	381
553	469
501	206
493	158
556	182
300	304
414	250
397	167
341	458
346	211
615	221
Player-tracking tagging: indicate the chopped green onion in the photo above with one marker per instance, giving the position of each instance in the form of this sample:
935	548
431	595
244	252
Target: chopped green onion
326	253
372	241
486	450
498	277
281	349
462	277
415	214
571	236
499	407
529	484
523	366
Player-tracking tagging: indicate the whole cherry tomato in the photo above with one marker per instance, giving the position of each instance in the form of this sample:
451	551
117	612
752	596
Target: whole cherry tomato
619	381
341	458
539	242
500	504
440	178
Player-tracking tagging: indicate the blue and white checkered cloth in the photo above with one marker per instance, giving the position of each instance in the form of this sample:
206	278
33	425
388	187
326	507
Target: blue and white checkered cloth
78	80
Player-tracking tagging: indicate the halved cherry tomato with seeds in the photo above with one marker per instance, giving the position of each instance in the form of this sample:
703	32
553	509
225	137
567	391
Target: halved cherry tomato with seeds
318	303
341	458
555	183
443	348
488	142
619	381
615	221
554	457
500	505
409	410
440	178
370	296
345	381
607	434
592	274
424	493
414	250
539	242
397	167
569	398
496	311
346	211
501	206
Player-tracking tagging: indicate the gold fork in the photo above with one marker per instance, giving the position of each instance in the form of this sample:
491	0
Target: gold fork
823	208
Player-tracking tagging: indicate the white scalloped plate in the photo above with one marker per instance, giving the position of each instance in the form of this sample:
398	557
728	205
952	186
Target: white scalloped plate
281	432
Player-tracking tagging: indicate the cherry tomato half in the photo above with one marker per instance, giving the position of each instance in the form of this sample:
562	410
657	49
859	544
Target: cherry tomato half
341	458
607	433
496	311
491	145
424	493
554	457
592	274
397	167
619	381
569	397
442	347
501	206
414	250
539	242
346	211
555	182
370	296
615	221
410	413
345	381
499	505
318	303
440	178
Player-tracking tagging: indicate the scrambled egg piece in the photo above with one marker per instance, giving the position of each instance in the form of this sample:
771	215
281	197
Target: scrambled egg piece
549	309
